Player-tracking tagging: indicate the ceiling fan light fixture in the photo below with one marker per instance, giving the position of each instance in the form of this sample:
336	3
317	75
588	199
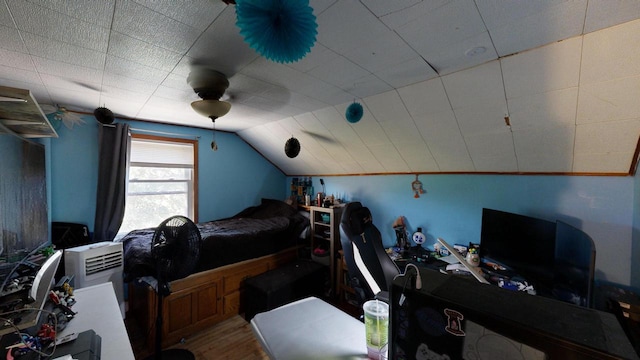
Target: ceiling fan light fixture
211	107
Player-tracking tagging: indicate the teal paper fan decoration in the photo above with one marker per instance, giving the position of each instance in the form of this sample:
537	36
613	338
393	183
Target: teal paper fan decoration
283	31
354	112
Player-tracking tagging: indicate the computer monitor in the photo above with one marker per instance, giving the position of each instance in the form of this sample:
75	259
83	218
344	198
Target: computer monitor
522	243
453	317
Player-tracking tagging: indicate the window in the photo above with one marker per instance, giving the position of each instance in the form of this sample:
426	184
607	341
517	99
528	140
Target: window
162	182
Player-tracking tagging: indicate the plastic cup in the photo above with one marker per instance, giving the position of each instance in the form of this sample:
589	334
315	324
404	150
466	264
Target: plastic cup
376	323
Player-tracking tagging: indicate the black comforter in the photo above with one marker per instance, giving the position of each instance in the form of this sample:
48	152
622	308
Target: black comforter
256	231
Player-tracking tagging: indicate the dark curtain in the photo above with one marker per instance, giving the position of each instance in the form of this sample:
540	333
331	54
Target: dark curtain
113	165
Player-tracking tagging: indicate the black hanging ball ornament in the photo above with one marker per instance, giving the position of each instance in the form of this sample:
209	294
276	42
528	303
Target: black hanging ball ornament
104	115
292	147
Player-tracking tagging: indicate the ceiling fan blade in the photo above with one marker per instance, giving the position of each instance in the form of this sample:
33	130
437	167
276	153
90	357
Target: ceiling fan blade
320	137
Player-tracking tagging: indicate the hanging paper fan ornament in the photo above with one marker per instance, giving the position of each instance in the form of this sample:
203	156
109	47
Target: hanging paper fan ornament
354	113
283	31
292	147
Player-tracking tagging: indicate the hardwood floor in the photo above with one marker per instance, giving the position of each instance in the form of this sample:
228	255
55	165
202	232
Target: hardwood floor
229	340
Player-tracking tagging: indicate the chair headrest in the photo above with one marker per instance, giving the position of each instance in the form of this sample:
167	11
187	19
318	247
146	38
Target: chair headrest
360	219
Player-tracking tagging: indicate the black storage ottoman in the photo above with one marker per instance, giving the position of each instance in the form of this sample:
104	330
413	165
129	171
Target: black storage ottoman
283	285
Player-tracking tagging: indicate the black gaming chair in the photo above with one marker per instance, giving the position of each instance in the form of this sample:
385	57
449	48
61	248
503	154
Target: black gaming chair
371	270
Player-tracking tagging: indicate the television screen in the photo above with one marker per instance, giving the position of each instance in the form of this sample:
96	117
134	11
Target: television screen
524	244
575	260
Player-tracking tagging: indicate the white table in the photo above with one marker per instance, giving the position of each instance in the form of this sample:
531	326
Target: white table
310	329
97	308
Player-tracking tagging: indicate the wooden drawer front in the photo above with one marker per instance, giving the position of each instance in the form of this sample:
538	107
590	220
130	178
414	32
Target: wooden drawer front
233	282
180	311
207	306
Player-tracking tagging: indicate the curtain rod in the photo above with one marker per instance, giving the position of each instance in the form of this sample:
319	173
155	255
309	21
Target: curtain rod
157	132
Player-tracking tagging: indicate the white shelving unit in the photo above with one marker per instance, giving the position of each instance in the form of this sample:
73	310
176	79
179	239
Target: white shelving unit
325	234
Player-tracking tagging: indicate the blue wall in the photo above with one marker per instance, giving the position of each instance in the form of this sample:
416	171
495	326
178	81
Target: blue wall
236	176
230	179
451	208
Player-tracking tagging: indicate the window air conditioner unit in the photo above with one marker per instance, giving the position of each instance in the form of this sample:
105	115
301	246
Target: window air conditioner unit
95	264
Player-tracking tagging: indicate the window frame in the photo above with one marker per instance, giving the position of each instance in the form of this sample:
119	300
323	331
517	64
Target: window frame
165	139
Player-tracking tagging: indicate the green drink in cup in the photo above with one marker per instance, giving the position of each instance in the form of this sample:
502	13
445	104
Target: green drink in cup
376	322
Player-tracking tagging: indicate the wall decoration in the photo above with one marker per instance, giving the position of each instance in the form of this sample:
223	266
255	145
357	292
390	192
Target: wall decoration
283	31
292	147
416	186
354	112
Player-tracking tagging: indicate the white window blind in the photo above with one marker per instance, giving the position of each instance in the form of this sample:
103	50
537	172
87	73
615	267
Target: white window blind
157	152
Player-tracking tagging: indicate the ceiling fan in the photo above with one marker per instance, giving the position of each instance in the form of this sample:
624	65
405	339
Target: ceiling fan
210	85
63	115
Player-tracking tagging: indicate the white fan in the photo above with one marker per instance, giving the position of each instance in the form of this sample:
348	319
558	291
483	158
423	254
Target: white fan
62	115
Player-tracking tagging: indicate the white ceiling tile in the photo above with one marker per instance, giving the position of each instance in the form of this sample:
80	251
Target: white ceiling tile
605	13
154	28
452	57
384	7
99	13
561	20
120	66
389	158
377	55
611	53
476	86
425	97
11	73
406	73
399	18
345	24
318	55
545	150
478	119
65	70
331	119
359	152
121	82
442	135
340	72
602	163
608	137
402	130
417	156
53	81
370	130
63	52
491	145
221	46
5	17
29	17
609	100
10	39
551	108
452	22
142	52
366	86
17	60
76	99
198	13
386	106
551	67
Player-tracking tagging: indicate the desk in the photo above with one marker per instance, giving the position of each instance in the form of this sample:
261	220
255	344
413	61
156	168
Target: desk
97	308
310	329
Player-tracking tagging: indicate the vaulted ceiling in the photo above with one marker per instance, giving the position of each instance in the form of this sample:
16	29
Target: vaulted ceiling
506	86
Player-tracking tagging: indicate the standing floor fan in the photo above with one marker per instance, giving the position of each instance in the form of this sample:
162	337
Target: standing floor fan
175	249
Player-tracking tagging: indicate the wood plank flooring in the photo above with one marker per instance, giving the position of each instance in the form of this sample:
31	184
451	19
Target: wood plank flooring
229	340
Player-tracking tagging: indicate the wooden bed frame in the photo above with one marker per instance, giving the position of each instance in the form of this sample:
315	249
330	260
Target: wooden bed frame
199	300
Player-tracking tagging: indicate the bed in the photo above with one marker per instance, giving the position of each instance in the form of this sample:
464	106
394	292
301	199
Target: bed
257	239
